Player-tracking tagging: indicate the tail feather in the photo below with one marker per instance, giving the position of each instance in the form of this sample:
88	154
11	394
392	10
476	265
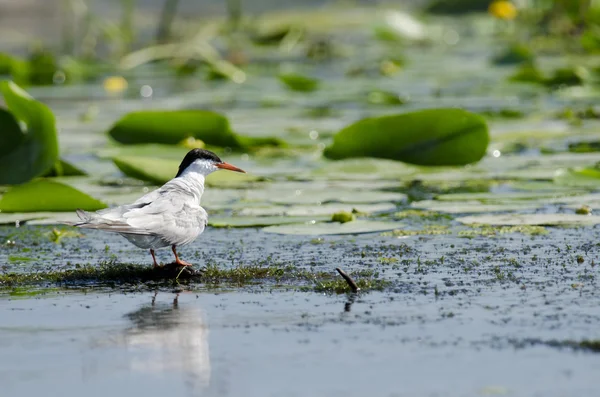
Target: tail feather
93	221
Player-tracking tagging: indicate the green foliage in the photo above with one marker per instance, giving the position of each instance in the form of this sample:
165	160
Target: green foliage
427	137
31	152
298	82
174	126
454	7
47	195
515	54
343	217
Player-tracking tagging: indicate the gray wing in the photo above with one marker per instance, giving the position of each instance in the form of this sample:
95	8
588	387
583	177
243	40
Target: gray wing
174	217
177	218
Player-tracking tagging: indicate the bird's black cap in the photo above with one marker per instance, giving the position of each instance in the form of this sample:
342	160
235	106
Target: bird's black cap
197	154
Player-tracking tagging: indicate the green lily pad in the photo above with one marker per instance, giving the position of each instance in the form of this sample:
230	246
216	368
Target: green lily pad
578	177
315	210
30	153
472	206
298	82
47	195
364	168
160	171
313	196
333	228
510	196
64	168
532	219
262	221
37	218
173	126
427	137
515	54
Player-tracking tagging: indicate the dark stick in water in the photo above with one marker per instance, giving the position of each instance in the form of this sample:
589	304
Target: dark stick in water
348	279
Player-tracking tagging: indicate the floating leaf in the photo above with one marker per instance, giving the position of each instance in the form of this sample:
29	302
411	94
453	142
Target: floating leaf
315	210
160	171
37	218
47	195
578	177
528	74
568	77
64	168
173	126
457	7
515	54
35	151
470	207
297	82
380	97
319	196
333	228
532	219
426	137
262	221
343	217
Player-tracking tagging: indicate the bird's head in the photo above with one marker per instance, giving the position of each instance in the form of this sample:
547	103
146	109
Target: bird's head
204	162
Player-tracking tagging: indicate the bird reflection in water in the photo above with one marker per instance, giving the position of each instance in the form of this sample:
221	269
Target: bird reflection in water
168	338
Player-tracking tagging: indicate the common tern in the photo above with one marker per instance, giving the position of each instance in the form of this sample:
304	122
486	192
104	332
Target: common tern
168	216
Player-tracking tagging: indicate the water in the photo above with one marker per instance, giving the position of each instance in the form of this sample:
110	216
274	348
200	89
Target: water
468	311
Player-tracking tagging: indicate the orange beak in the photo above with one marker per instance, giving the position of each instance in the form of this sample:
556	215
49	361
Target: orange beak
227	166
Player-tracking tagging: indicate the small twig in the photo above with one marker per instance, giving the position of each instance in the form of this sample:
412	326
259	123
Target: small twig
179	274
348	279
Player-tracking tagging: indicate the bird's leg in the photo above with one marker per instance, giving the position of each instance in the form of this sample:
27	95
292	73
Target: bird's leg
154	259
179	261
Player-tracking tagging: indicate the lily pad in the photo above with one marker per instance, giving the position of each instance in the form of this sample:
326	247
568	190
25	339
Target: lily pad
160	171
47	195
320	196
333	228
30	153
315	210
298	82
174	126
510	196
532	219
64	168
472	206
364	168
427	137
262	221
37	218
578	177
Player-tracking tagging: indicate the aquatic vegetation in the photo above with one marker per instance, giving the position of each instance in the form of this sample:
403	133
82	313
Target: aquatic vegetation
47	195
298	82
31	153
427	137
173	127
430	230
343	217
488	230
531	220
332	228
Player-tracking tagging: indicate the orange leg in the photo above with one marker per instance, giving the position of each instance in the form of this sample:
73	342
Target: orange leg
179	261
154	259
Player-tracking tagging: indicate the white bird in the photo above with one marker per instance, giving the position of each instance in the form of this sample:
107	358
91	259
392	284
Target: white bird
168	216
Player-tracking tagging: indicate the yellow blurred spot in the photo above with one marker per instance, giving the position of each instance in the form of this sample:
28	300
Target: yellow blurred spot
503	9
192	143
115	84
389	68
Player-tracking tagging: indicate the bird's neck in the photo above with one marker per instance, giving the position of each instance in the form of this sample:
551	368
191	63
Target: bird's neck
191	181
